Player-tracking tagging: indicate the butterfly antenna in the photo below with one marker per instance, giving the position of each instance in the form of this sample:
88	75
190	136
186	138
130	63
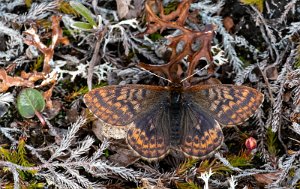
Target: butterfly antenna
205	67
156	75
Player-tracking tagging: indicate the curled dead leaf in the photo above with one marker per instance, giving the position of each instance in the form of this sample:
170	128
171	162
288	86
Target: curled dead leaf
33	77
123	156
47	96
146	185
54	111
32	38
123	7
228	23
103	130
272	73
9	81
176	20
267	178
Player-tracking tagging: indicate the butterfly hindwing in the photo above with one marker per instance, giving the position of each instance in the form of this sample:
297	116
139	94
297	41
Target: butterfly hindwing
201	134
228	104
149	135
120	105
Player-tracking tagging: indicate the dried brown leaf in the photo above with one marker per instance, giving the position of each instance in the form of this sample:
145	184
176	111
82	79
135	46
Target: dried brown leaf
32	38
54	111
123	156
272	73
267	178
188	37
103	130
47	96
228	23
122	7
146	185
33	77
9	81
166	21
136	10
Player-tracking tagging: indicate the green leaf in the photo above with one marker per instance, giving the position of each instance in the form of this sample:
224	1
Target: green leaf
30	101
82	26
28	3
86	13
172	6
272	142
258	3
66	8
155	36
187	185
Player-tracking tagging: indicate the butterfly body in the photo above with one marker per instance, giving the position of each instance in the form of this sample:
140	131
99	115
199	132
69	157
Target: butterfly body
161	118
175	111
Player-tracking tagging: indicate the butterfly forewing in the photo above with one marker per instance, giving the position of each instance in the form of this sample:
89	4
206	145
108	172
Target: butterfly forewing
228	104
201	134
120	105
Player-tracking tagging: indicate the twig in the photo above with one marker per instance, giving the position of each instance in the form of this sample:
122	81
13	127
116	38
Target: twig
95	57
263	73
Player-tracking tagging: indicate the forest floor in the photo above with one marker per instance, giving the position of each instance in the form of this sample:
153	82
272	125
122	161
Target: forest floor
52	53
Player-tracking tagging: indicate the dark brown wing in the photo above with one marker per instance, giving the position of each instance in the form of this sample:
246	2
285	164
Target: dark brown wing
228	104
201	134
149	134
120	105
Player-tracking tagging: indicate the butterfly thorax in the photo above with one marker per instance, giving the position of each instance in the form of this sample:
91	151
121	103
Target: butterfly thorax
175	115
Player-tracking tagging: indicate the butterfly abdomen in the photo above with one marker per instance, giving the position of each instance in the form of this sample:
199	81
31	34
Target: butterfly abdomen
175	117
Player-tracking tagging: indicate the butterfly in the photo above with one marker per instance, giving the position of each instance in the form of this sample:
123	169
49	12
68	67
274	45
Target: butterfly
161	118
